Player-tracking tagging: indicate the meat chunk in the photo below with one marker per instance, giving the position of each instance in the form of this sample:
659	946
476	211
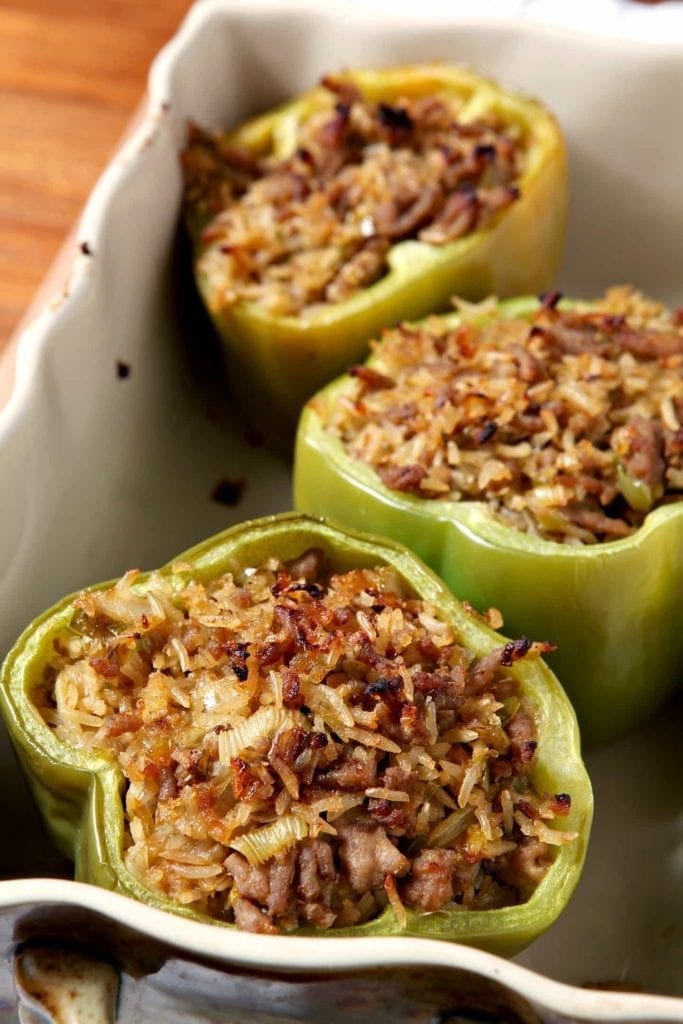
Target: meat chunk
642	444
361	270
250	918
598	523
458	217
280	878
650	344
368	855
350	773
402	478
429	885
484	671
309	565
524	868
123	722
521	731
316	864
251	880
372	379
269	885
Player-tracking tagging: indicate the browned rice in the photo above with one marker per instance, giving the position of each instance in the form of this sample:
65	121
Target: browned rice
302	747
569	427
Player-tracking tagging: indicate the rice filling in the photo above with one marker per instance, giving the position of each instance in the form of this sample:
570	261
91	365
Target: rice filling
303	747
296	233
569	427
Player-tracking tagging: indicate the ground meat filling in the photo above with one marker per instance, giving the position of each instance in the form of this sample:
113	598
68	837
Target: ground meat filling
570	427
303	747
316	227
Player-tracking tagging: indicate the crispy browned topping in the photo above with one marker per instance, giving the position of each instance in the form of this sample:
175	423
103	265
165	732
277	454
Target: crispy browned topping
317	226
301	748
569	427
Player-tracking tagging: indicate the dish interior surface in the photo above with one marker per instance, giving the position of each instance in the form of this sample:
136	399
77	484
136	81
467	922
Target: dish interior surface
121	446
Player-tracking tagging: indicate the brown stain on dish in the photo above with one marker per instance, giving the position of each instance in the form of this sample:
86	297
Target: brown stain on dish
71	987
123	370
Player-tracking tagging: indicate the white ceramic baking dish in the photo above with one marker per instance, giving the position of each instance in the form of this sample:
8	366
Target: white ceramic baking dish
118	432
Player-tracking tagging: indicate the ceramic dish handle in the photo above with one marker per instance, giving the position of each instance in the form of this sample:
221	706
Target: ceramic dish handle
56	985
76	954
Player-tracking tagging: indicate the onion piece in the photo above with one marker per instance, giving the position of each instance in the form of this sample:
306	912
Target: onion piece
265	722
637	493
261	844
450	828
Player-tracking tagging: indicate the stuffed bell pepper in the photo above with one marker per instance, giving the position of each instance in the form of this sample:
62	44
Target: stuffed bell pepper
531	452
371	198
295	729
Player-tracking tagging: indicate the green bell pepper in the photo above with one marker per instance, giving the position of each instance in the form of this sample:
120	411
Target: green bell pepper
277	362
80	792
612	608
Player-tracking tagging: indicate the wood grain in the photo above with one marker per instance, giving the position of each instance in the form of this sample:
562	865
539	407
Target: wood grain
71	74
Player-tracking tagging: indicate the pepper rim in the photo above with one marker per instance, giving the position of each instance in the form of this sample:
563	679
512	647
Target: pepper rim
104	810
408	259
474	518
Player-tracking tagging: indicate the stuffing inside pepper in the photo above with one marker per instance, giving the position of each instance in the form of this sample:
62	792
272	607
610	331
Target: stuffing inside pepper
569	425
316	226
302	747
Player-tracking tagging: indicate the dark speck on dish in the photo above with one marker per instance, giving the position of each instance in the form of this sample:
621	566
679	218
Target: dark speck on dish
253	438
85	249
613	986
122	370
228	491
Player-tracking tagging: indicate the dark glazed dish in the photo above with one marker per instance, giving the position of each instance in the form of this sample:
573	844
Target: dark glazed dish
532	453
371	198
293	728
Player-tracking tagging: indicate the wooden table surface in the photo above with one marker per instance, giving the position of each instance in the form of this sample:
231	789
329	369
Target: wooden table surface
72	73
